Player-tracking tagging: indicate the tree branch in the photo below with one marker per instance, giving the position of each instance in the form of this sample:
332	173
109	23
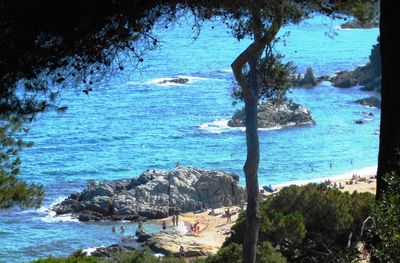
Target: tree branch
257	46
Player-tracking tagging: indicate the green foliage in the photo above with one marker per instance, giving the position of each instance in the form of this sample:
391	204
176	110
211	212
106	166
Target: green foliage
275	78
386	214
266	253
310	222
230	253
71	259
12	190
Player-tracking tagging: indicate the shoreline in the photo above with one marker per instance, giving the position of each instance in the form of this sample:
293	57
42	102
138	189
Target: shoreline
215	228
343	178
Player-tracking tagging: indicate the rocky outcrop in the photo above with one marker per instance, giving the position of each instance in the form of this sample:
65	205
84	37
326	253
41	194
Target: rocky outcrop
175	80
370	102
154	194
307	81
275	115
110	252
355	24
368	76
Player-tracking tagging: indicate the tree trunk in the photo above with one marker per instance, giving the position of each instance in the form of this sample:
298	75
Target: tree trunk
251	166
250	89
389	140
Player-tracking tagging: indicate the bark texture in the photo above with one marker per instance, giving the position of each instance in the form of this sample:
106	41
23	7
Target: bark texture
250	89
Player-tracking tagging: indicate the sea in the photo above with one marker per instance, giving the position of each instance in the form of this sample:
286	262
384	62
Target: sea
133	123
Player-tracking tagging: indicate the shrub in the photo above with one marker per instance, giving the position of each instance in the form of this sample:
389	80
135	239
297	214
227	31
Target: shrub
386	214
310	222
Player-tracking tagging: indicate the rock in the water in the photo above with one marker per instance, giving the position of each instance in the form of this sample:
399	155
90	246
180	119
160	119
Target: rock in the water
307	81
154	194
175	80
142	236
370	102
357	24
344	79
275	115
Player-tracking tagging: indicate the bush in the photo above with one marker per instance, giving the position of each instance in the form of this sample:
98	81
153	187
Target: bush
311	222
386	214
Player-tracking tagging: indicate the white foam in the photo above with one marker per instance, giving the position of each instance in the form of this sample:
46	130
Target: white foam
227	70
218	126
52	217
90	250
343	29
182	228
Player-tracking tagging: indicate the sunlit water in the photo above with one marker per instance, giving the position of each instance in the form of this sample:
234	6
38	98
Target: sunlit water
135	124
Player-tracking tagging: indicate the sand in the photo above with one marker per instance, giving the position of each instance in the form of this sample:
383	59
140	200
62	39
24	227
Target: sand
214	229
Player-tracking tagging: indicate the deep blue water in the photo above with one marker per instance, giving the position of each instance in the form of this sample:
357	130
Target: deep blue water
133	124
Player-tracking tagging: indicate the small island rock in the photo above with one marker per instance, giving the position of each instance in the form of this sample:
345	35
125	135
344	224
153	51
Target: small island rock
271	115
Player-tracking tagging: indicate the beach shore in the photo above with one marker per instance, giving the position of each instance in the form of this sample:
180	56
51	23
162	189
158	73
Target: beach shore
214	229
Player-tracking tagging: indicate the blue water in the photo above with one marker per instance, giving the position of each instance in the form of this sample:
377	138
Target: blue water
132	124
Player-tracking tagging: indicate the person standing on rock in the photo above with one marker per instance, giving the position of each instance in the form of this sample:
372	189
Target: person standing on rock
181	252
174	220
140	224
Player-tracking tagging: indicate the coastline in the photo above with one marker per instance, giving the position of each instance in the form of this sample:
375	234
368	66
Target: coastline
360	186
214	229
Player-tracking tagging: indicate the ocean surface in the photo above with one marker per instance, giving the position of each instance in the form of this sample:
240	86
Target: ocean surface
132	124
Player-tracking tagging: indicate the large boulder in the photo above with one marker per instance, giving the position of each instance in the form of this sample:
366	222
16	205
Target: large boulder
154	194
271	115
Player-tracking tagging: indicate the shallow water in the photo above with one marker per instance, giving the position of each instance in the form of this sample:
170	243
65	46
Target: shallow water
134	124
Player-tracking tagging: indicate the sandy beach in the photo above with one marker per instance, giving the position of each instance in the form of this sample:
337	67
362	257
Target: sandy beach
214	229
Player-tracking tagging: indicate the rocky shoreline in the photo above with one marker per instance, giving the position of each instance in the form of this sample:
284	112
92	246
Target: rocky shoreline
154	194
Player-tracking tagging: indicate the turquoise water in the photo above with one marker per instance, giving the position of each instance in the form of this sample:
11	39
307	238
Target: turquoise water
133	124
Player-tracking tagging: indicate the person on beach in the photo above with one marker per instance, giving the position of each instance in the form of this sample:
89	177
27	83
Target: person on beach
164	225
174	220
140	224
228	215
181	252
177	219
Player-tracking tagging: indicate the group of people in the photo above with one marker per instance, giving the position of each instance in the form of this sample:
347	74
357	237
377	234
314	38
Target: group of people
175	219
114	229
195	228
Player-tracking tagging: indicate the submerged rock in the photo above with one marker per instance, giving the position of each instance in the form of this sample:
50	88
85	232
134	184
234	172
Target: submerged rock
275	115
154	194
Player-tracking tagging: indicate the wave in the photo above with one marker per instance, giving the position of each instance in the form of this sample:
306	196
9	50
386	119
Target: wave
52	217
219	126
90	250
343	29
